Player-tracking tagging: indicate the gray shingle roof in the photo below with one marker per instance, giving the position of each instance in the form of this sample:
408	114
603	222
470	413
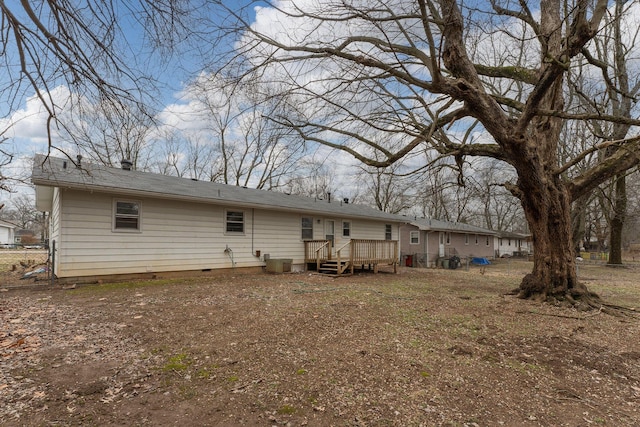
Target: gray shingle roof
51	172
438	225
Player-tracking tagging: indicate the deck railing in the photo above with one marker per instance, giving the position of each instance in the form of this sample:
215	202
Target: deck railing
367	251
317	251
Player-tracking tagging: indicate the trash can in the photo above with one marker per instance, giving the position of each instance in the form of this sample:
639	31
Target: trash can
454	262
409	261
445	263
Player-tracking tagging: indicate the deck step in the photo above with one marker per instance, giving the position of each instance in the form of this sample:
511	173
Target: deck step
332	267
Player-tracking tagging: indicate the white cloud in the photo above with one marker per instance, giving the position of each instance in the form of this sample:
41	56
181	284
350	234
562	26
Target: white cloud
27	127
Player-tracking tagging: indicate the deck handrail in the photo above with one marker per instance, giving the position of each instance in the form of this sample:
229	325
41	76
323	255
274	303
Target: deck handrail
326	245
339	257
317	251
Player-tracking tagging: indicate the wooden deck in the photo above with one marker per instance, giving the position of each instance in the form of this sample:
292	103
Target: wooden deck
356	252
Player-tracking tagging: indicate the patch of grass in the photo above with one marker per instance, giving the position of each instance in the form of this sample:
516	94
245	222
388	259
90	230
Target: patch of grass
286	410
233	379
204	373
301	371
178	363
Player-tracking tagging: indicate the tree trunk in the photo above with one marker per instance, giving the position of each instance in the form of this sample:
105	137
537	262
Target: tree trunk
548	212
578	222
617	220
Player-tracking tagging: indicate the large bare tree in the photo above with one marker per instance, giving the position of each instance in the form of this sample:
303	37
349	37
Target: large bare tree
424	73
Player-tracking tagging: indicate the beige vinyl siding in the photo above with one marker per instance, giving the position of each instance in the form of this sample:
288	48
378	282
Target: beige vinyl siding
174	236
177	236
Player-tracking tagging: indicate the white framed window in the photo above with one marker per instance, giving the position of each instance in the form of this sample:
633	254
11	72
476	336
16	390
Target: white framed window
346	228
488	241
466	239
387	232
414	237
234	221
306	225
448	237
477	240
126	215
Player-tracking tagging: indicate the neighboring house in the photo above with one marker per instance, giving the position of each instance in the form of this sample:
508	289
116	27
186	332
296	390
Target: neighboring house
424	241
7	233
513	244
25	237
110	221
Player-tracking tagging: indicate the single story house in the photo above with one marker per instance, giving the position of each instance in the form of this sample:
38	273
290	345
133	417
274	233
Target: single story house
7	233
425	241
106	221
513	244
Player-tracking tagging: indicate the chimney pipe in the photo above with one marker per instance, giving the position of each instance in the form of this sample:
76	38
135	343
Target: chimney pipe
329	197
79	158
126	164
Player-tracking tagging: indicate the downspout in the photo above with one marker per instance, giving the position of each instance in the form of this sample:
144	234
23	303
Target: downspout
426	249
253	214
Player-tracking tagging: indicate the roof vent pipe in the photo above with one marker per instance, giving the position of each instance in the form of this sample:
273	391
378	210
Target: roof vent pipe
79	164
329	197
346	200
126	164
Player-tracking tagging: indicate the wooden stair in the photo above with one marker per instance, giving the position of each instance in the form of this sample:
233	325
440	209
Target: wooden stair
332	267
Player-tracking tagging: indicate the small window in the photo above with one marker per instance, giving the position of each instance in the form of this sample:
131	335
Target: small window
477	239
307	228
234	222
414	237
387	232
126	215
466	239
487	240
448	238
346	229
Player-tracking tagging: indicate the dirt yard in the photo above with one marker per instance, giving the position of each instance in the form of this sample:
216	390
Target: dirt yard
420	348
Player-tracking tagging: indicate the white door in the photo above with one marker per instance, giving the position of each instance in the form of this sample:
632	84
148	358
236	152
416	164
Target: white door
329	232
441	245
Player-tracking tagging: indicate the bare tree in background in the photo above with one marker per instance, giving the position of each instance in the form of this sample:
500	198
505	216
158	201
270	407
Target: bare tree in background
312	179
21	211
385	189
616	96
422	74
499	210
85	46
5	159
108	135
252	150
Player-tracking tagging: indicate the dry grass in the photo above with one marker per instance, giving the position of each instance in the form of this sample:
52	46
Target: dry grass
424	347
